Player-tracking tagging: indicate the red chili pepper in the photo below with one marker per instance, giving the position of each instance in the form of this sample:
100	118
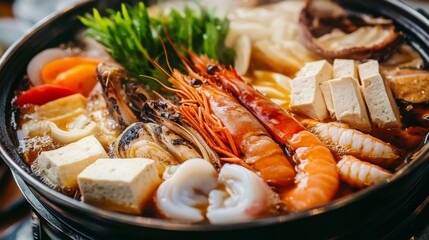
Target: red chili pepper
42	94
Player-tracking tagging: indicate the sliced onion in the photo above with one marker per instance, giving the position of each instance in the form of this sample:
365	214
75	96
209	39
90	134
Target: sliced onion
36	64
243	49
67	137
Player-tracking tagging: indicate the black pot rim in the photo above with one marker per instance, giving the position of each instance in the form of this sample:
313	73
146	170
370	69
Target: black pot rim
406	171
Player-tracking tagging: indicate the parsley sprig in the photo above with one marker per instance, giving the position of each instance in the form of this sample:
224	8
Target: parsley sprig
133	38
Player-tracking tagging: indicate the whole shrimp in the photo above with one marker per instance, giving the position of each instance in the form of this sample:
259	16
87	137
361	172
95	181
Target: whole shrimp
231	129
277	121
342	139
360	174
317	179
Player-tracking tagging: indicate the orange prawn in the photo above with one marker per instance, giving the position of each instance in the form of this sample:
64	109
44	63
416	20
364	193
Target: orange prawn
230	129
359	173
317	179
278	122
342	139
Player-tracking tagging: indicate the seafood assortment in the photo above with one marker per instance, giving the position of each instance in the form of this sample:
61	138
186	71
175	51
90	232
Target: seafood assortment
148	120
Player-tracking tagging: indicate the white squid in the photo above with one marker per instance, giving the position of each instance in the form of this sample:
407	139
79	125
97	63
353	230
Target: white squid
186	190
245	196
236	195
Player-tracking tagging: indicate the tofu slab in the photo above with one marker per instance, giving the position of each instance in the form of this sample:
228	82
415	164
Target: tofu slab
123	185
348	103
321	69
327	96
345	68
306	94
378	97
61	166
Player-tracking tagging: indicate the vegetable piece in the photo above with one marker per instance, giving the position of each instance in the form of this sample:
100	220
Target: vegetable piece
410	85
63	109
81	78
53	69
34	68
42	94
135	39
243	48
69	136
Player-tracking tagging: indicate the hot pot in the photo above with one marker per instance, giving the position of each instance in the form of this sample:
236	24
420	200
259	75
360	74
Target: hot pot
384	211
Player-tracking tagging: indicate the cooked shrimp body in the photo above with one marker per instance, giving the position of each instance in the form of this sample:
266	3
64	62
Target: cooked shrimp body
343	140
231	129
317	179
277	121
185	191
360	174
259	150
243	197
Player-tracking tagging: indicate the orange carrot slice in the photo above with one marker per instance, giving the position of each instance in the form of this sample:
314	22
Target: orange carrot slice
52	69
81	78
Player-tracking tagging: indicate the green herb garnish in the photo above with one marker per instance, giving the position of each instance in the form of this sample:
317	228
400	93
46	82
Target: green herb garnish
133	38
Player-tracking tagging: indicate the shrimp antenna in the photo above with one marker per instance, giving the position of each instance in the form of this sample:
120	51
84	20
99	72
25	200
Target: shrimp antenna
182	58
158	66
159	81
167	60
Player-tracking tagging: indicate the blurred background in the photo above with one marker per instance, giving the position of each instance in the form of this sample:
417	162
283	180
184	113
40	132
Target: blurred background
17	17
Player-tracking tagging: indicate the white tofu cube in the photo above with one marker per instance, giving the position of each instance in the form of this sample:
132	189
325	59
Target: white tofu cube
345	68
307	98
369	69
378	97
306	94
61	166
348	103
321	69
327	96
123	185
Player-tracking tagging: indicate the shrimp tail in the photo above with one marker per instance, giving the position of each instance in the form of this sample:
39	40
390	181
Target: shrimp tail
317	179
